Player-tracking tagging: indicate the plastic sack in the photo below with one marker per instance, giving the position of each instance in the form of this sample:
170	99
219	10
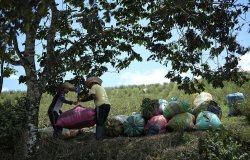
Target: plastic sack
69	133
207	120
77	117
114	125
211	106
156	125
182	121
235	97
175	107
202	97
234	100
134	125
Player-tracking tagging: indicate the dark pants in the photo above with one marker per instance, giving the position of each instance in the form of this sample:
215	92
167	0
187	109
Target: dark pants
53	116
102	113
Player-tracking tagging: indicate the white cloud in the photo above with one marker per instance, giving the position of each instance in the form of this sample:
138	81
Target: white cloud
147	77
244	63
5	89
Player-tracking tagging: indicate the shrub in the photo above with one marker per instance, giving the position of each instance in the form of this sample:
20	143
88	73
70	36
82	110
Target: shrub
223	145
12	121
245	110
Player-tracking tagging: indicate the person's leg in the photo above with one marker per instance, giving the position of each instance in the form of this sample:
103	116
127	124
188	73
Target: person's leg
57	130
52	119
102	114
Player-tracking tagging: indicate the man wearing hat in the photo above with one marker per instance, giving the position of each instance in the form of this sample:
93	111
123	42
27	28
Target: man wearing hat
99	95
54	110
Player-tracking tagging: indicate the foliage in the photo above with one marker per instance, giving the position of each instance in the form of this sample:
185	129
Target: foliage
12	121
83	37
244	109
223	145
125	100
178	34
149	108
87	49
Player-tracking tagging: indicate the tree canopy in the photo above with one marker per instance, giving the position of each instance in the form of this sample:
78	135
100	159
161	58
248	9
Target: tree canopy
51	37
189	35
83	37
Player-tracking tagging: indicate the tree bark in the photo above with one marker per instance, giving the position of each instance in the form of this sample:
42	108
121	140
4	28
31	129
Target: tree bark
28	145
1	76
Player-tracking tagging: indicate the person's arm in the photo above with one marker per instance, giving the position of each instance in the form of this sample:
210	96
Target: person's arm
62	98
87	98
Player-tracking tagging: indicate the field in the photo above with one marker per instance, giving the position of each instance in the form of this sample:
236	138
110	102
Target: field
126	100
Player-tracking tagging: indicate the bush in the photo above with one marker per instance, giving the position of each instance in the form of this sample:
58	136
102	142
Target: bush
12	121
223	145
245	110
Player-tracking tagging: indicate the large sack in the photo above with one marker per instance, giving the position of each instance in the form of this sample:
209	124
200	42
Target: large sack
175	107
114	125
77	117
207	120
210	105
134	125
70	133
234	100
182	121
235	97
202	97
156	125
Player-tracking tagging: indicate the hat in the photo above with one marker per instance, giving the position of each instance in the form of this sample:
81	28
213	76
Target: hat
93	80
69	86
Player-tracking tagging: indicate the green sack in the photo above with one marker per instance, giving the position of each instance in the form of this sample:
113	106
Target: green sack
175	107
134	125
207	120
182	121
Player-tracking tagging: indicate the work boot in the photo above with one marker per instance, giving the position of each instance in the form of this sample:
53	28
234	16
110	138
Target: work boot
99	133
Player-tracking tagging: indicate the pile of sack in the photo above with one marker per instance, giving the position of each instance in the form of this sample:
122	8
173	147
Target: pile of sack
159	116
156	116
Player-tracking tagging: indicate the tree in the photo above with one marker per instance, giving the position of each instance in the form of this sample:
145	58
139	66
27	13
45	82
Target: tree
29	24
5	70
49	39
189	35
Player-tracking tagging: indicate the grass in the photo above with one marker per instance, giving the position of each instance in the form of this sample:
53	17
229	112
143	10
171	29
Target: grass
125	100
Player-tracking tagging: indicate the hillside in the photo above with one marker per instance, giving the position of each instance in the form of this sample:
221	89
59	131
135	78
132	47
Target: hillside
171	145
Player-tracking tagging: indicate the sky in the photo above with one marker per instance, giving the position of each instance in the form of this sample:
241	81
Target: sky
138	73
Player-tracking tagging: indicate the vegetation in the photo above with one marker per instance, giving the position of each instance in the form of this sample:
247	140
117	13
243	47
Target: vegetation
230	143
42	38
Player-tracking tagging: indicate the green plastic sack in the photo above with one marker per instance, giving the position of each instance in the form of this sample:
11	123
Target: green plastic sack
207	120
134	125
182	121
175	107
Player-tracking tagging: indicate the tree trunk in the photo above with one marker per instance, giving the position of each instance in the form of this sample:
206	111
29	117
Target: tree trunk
28	145
1	76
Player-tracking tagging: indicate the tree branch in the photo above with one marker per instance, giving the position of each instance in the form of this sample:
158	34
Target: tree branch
50	58
11	61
